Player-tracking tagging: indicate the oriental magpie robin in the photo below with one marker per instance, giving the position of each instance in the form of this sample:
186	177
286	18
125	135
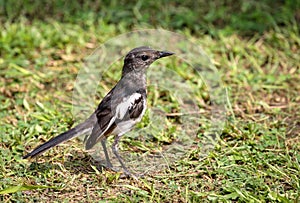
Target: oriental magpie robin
120	109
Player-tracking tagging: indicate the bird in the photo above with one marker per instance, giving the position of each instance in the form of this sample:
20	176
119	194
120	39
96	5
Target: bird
118	112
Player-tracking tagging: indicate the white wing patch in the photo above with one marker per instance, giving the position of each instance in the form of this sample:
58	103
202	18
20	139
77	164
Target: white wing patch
126	104
121	111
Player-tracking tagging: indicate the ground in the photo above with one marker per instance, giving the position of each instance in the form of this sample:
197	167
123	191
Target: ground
257	156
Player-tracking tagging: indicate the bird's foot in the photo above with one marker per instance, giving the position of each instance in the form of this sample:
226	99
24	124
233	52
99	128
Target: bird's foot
127	174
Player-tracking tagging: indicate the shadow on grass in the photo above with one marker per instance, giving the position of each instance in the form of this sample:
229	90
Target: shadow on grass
74	164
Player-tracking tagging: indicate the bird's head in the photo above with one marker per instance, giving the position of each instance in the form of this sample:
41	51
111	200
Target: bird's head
141	58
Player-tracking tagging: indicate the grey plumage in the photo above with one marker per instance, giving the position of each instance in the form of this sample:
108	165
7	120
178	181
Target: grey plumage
120	109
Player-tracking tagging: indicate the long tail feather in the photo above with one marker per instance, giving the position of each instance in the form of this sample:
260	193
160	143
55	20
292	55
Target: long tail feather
83	128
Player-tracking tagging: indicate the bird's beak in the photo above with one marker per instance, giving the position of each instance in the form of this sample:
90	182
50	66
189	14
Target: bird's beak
165	53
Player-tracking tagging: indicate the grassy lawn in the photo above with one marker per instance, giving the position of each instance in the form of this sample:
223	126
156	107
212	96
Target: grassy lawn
255	47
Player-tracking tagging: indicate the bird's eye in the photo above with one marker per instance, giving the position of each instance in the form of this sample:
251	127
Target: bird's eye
145	57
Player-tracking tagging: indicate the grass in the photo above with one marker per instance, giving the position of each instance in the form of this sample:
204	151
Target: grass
257	157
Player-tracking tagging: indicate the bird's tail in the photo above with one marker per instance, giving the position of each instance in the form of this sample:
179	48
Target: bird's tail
82	128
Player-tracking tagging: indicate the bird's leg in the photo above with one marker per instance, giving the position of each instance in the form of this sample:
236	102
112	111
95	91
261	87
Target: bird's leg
108	163
115	151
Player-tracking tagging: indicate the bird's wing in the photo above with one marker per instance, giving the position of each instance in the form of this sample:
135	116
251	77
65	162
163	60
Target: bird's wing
105	118
131	107
115	108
